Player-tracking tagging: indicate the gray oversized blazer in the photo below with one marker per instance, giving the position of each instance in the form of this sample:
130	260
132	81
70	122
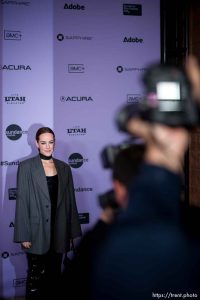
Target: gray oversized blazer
33	207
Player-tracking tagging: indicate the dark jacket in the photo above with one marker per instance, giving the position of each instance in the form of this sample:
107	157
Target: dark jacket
33	207
148	254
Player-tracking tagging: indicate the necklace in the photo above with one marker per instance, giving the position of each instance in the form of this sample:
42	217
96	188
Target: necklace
42	156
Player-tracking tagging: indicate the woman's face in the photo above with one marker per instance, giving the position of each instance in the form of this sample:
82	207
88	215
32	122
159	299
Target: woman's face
46	144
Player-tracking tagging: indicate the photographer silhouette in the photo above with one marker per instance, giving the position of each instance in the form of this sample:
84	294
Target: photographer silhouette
124	170
148	250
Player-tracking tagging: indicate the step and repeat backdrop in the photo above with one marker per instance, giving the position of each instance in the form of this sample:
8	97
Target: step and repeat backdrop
69	65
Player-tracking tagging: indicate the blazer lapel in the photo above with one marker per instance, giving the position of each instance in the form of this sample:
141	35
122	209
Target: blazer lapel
40	177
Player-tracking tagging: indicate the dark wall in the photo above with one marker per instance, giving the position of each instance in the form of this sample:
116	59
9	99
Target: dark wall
180	36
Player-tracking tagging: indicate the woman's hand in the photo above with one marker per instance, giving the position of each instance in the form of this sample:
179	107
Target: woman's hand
26	245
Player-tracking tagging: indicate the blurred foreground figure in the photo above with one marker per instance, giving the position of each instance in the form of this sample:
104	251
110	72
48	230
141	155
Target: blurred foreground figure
77	275
148	253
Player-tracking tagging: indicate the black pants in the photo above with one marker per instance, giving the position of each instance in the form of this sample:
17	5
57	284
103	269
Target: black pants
44	272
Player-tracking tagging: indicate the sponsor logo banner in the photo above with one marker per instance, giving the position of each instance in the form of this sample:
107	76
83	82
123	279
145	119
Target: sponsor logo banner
134	98
76	68
61	37
19	282
132	9
14	132
15	99
12	194
76	99
76	130
15	67
73	6
76	160
84	218
19	3
12	35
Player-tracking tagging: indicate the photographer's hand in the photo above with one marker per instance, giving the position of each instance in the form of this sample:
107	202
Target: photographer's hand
166	145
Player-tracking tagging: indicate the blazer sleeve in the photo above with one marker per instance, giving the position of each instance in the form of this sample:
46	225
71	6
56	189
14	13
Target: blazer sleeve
75	223
22	218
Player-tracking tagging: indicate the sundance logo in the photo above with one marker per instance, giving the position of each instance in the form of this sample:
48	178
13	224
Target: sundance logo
15	67
9	163
76	130
74	6
12	35
14	132
132	40
76	160
76	99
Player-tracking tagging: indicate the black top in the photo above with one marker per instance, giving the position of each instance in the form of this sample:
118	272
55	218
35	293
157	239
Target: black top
52	182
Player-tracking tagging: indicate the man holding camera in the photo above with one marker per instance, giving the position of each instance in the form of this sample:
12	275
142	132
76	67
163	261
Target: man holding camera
148	253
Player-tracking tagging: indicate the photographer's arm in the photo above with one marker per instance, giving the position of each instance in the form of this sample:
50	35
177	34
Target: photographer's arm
166	145
193	71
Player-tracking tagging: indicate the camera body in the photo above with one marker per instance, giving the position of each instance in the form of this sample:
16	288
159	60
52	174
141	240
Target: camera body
108	200
110	152
168	99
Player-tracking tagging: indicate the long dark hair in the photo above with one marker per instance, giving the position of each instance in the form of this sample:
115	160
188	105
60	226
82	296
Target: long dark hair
44	130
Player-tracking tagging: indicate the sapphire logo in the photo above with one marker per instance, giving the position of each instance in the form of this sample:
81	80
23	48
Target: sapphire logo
132	9
12	194
133	98
60	37
15	67
76	99
12	35
5	254
15	99
14	132
132	40
76	130
25	3
76	68
120	69
76	160
74	6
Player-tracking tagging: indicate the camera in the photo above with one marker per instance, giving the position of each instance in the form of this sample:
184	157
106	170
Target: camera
110	152
167	99
108	200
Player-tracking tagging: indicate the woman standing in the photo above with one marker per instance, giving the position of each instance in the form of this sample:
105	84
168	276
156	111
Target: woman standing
46	216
